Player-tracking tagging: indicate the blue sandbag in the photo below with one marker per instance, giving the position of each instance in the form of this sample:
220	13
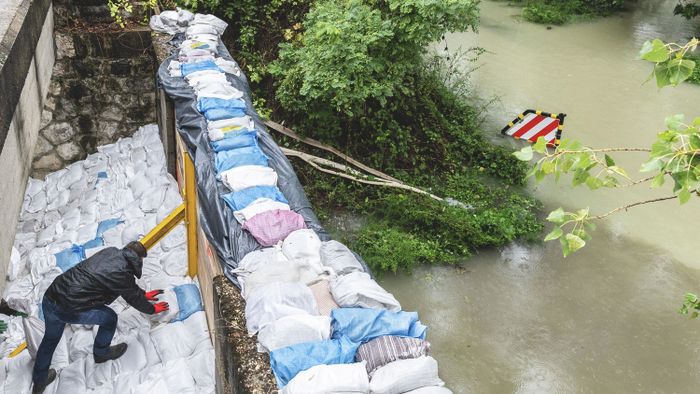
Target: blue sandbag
93	243
223	113
235	140
188	300
189	68
242	198
287	362
107	224
205	104
69	257
363	324
248	156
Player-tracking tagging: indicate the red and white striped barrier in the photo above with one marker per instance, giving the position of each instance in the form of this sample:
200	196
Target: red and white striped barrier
531	125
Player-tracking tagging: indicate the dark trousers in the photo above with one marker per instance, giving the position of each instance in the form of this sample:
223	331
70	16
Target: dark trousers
56	317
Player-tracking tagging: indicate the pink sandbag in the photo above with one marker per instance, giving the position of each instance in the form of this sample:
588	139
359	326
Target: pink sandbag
270	227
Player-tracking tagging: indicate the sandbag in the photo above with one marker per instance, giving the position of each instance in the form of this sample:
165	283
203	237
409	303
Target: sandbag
171	314
201	365
302	244
243	177
144	337
175	262
189	300
18	373
302	271
287	362
364	324
276	300
17	265
34	333
321	379
405	375
386	349
338	257
431	390
270	227
81	344
72	379
292	330
252	261
324	299
259	206
178	377
358	289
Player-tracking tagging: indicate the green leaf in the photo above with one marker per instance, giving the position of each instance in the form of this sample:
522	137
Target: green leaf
581	233
547	167
675	122
662	77
575	242
679	70
654	164
554	234
594	183
684	195
658	180
654	51
557	216
696	121
695	141
564	246
620	171
524	154
580	177
540	146
609	161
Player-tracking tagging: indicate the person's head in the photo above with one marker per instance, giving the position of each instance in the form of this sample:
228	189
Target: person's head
138	248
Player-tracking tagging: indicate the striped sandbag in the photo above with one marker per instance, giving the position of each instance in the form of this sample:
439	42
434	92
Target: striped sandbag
382	350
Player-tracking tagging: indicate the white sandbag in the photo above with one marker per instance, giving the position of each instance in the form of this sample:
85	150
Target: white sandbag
17	265
60	199
152	386
133	231
405	375
37	203
152	200
73	174
47	235
338	257
302	244
24	242
92	251
151	266
144	337
88	214
97	375
252	261
242	177
276	300
175	239
41	262
50	218
196	327
294	329
34	186
201	366
259	206
358	289
431	390
113	236
178	377
167	316
18	371
71	219
71	379
133	360
81	344
68	236
86	233
303	271
338	378
164	281
140	184
130	319
171	341
124	383
18	294
132	212
175	262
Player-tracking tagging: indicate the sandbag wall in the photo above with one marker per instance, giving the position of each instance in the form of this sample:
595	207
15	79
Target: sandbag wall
309	301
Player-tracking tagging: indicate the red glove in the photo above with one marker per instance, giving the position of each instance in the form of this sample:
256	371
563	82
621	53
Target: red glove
152	295
161	307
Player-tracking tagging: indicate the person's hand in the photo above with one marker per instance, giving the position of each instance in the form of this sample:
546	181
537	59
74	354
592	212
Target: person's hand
3	326
153	295
161	307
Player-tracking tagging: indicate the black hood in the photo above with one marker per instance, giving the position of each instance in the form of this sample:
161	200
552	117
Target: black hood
135	260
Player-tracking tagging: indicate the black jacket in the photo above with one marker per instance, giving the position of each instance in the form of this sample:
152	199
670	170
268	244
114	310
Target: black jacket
99	280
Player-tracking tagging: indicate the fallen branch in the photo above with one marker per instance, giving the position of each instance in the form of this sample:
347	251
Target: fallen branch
310	141
346	172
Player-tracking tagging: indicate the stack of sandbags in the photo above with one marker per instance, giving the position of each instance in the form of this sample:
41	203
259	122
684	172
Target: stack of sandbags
114	196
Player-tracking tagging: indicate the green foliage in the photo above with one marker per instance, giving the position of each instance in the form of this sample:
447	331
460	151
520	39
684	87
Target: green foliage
695	76
691	303
675	155
120	9
687	9
386	248
558	12
356	54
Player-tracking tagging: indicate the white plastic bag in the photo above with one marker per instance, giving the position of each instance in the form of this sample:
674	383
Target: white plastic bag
294	329
34	333
303	271
171	341
431	390
72	378
405	375
167	316
338	378
178	377
16	266
239	178
358	289
175	262
201	365
338	257
252	261
276	300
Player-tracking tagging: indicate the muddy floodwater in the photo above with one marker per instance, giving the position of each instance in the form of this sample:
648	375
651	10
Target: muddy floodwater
523	319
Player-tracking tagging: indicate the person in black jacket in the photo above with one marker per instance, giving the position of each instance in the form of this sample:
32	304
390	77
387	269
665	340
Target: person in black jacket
81	295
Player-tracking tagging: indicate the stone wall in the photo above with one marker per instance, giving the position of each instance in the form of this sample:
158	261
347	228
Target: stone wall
102	89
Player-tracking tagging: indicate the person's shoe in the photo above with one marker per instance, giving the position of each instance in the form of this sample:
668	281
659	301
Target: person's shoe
113	353
39	388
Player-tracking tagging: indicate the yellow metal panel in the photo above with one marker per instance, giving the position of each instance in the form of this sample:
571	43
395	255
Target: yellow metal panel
191	215
164	227
18	350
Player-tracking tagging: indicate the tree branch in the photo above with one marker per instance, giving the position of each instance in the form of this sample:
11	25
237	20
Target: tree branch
628	206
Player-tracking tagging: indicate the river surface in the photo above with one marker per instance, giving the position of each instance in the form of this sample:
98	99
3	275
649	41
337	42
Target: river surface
523	319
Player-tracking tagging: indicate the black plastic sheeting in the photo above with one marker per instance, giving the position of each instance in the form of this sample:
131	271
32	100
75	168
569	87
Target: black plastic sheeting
224	232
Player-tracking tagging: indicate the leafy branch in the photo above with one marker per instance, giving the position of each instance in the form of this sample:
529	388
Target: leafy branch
674	155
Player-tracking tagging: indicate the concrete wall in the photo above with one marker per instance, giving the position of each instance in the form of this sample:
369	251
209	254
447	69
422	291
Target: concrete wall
17	151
